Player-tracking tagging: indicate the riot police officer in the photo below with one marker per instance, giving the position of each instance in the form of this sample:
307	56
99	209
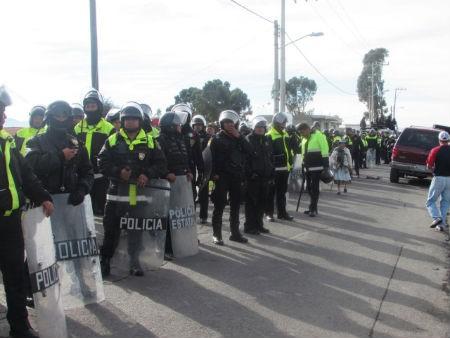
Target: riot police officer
58	159
259	171
36	126
282	155
129	155
199	125
229	150
113	117
172	144
93	132
192	141
16	181
147	126
77	113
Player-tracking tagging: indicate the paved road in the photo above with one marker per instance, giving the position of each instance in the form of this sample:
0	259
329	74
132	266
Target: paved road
368	266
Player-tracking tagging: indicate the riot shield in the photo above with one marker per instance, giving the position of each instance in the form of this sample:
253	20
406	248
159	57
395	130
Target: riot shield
44	278
295	177
183	229
77	252
143	224
207	162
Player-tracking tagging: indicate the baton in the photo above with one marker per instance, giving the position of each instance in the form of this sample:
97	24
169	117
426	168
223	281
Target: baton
146	186
302	188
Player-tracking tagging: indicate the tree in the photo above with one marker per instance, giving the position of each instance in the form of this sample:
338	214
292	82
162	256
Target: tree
214	97
373	61
299	91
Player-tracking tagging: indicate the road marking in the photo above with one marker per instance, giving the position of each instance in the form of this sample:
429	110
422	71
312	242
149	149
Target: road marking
372	330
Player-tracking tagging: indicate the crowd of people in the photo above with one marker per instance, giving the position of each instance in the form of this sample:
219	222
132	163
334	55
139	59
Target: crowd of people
79	150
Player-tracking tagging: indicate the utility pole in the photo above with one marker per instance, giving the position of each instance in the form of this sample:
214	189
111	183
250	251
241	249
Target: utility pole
371	101
276	81
94	49
283	57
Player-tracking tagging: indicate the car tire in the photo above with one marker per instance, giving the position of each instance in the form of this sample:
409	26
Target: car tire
394	176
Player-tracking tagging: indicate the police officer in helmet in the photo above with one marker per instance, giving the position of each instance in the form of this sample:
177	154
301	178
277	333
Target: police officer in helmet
172	144
259	171
36	126
229	151
58	159
77	113
93	132
282	155
17	181
129	156
199	125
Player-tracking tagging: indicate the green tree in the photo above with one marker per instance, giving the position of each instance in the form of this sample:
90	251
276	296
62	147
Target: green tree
373	63
214	97
299	91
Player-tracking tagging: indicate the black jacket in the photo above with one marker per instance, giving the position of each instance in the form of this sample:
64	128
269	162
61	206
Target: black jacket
174	148
194	149
229	155
260	164
48	162
143	159
25	181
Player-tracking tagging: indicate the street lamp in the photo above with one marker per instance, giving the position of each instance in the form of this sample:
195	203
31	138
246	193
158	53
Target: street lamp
282	86
313	34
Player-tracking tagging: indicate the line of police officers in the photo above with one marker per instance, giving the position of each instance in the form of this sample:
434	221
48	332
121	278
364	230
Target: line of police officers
76	151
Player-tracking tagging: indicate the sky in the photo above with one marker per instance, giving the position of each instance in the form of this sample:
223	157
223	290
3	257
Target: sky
151	49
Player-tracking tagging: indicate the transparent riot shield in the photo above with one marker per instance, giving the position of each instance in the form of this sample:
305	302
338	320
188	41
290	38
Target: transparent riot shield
44	278
295	177
143	223
183	229
77	252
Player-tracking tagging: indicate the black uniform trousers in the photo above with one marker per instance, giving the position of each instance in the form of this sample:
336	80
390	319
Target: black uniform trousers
111	228
356	161
98	195
224	185
256	197
313	182
13	270
203	201
278	192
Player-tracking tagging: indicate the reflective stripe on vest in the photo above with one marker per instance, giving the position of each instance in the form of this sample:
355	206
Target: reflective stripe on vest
9	144
141	138
102	127
275	135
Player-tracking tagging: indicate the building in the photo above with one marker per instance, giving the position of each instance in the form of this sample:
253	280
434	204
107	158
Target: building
326	121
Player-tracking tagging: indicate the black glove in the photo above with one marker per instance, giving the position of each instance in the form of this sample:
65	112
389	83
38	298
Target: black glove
76	197
325	162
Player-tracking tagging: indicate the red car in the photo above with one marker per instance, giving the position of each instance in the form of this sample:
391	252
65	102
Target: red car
410	152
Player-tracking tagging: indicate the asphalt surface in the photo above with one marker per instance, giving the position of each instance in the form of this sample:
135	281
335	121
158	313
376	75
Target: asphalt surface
367	266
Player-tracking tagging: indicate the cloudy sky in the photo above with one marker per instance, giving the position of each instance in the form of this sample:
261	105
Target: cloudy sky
151	49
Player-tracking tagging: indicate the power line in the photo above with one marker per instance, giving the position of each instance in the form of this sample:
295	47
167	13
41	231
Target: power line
345	24
334	31
252	11
351	20
317	69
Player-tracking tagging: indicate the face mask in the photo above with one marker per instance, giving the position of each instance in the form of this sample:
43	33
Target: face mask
60	125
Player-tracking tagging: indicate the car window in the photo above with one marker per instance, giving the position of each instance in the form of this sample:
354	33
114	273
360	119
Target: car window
421	139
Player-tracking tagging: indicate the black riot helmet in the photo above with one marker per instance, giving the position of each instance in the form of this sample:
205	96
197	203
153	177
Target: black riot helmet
184	111
36	111
147	123
77	110
93	96
131	110
113	115
169	122
58	116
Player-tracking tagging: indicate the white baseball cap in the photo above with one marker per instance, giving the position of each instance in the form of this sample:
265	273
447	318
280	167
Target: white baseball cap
444	136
